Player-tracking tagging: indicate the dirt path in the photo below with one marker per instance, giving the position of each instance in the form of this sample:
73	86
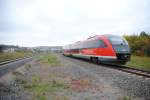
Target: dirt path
57	80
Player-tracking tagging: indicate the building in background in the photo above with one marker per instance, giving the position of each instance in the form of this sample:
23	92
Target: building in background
48	48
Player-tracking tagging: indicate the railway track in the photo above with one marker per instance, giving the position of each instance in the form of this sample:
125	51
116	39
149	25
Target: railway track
134	71
8	66
123	68
12	60
139	72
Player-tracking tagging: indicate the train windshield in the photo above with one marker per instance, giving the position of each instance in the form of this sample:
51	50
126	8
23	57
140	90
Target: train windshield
117	40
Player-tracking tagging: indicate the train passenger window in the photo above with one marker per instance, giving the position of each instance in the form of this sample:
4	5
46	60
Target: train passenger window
94	44
102	44
85	44
89	44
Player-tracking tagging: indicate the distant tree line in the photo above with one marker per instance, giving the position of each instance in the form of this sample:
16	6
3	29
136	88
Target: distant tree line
139	44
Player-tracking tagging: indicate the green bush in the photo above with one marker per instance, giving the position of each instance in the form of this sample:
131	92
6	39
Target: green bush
139	44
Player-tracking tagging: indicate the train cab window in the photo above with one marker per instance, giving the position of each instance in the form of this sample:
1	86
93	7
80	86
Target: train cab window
117	40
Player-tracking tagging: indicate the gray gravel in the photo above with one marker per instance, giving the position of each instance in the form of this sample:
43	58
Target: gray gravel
76	71
132	85
12	90
107	83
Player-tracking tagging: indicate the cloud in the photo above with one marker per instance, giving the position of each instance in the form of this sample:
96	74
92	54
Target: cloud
58	22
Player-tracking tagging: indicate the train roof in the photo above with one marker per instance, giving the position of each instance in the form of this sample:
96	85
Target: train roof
94	37
110	35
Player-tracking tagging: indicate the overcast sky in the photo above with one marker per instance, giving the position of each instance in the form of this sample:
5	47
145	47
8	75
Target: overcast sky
59	22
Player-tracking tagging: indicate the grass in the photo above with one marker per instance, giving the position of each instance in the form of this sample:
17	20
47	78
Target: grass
140	62
16	73
126	98
13	55
50	59
27	67
40	89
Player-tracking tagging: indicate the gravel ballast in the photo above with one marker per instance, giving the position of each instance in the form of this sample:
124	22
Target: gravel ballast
80	80
132	85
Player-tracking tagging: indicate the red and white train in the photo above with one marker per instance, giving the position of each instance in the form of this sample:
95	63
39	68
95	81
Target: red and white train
100	48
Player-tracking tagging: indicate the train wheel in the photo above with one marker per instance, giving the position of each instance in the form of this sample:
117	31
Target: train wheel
94	59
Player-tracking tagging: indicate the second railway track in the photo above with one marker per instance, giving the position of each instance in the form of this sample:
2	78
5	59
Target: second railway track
8	66
12	60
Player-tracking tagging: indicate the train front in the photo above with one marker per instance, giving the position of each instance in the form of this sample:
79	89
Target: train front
121	48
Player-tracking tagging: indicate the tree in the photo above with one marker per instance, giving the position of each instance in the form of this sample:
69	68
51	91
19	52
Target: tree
139	44
143	34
